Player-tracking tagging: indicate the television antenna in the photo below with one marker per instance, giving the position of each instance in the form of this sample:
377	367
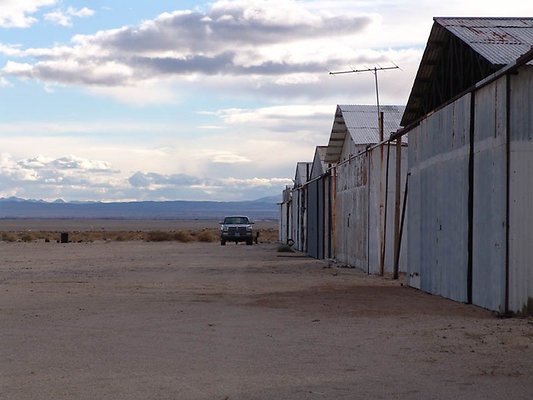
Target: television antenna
374	71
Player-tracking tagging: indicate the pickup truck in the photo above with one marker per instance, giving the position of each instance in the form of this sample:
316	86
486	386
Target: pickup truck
236	228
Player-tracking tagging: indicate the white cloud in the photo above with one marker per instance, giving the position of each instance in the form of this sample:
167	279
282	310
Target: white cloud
66	171
58	17
229	158
74	178
64	18
256	159
17	13
256	182
143	93
274	114
81	13
238	38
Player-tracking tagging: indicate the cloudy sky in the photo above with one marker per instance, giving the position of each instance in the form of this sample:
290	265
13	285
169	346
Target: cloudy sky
191	100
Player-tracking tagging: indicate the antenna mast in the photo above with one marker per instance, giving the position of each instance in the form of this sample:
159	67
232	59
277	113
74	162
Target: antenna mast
374	71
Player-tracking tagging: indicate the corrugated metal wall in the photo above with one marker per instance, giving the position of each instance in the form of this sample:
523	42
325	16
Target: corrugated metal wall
490	198
299	208
285	216
318	218
378	196
439	187
313	219
437	204
296	219
282	223
351	225
521	193
360	213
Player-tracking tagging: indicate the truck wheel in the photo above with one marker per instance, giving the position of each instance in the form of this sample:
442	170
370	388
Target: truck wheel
249	242
222	242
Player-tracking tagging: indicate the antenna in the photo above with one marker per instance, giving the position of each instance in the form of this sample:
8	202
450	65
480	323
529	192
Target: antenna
374	71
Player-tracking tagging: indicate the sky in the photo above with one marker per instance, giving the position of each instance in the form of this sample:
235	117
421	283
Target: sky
122	100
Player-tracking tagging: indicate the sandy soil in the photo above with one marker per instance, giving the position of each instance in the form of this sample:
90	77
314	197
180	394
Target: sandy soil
137	320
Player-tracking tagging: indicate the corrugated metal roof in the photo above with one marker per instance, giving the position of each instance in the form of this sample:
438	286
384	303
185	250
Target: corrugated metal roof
361	122
499	41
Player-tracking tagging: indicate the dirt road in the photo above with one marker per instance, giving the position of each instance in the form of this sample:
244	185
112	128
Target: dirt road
197	321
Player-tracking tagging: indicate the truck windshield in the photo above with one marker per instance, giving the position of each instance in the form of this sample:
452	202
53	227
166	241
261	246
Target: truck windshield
236	220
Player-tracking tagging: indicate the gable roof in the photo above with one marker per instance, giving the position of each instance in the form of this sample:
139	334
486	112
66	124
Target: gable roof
461	52
319	164
360	122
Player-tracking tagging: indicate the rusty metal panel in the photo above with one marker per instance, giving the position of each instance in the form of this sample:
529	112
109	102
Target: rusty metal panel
521	193
499	40
489	244
438	197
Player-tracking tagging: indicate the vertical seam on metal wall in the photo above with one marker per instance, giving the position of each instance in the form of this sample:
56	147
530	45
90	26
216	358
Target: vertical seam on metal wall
469	278
507	183
369	155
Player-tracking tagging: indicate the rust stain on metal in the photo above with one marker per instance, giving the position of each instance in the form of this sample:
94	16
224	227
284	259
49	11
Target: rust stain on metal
474	30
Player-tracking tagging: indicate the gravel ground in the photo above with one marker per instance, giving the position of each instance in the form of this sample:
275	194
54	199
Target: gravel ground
137	320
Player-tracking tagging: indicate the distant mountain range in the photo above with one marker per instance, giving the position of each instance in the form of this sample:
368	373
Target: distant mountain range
260	209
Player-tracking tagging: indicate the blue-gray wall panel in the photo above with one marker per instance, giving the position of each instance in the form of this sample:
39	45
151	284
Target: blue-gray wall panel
438	202
312	219
490	198
521	192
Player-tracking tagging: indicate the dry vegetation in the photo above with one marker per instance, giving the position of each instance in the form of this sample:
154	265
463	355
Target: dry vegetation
204	235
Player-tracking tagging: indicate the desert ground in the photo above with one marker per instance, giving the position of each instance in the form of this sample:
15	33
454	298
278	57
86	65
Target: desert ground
198	321
125	225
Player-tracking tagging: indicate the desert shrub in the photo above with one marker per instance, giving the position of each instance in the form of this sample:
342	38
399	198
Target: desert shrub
285	248
206	236
158	236
26	237
8	237
120	238
181	236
